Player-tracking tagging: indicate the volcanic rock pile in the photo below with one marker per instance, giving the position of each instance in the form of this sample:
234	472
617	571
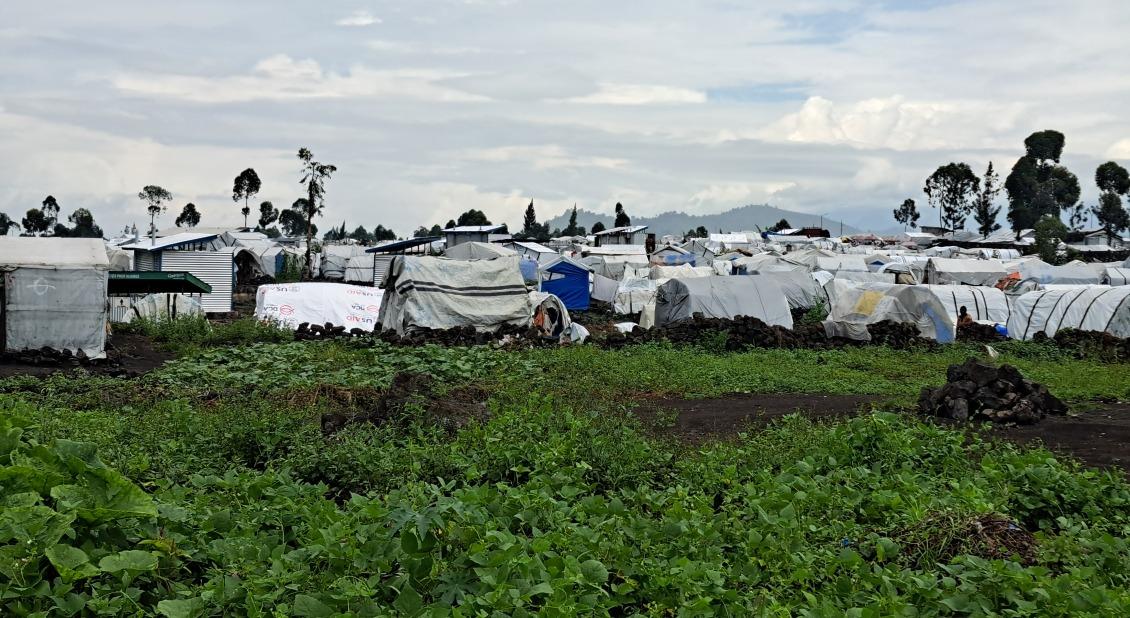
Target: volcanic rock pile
315	332
510	335
979	391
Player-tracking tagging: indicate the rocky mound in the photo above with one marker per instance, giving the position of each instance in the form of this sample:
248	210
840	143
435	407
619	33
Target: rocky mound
315	332
977	390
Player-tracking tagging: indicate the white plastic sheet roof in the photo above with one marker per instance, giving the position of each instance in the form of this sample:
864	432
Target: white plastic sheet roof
30	252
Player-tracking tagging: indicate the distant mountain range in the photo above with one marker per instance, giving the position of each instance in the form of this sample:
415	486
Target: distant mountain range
745	218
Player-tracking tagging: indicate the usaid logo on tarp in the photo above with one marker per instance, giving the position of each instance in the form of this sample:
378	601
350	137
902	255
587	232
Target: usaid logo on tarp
286	310
359	319
369	308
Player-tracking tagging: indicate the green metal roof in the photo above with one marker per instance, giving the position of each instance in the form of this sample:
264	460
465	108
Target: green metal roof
152	282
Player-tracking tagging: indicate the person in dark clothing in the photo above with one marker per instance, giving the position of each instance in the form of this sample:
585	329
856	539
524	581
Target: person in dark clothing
963	317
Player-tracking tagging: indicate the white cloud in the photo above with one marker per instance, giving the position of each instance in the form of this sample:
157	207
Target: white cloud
1119	149
635	94
874	173
546	157
732	194
281	77
896	123
358	19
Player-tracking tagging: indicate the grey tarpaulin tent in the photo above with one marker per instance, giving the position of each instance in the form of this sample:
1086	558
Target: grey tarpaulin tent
1098	308
54	294
722	297
432	292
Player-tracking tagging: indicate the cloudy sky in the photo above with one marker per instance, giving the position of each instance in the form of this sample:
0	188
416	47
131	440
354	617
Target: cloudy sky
432	107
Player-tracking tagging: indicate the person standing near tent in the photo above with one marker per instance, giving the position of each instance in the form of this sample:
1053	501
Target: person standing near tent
963	317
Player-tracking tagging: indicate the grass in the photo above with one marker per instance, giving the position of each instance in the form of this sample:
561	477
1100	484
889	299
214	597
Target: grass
556	505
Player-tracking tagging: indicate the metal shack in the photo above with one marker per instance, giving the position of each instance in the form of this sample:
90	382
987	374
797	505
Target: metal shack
198	254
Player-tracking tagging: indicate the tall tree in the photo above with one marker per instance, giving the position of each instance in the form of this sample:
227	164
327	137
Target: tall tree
985	210
361	235
951	189
246	186
598	227
702	232
268	214
530	227
314	176
1049	230
188	217
572	229
51	210
83	225
155	198
472	217
1114	182
1038	185
435	231
293	219
783	224
450	224
35	222
622	218
907	214
382	233
7	224
421	232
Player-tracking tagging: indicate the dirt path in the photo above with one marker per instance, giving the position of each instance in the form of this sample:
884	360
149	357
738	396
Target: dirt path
1099	436
127	355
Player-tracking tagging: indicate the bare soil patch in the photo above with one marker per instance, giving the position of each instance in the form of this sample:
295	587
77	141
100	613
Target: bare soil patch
127	355
1099	437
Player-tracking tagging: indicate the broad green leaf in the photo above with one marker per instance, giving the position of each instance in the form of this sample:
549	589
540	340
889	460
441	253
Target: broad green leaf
182	608
129	560
409	602
38	527
594	571
71	562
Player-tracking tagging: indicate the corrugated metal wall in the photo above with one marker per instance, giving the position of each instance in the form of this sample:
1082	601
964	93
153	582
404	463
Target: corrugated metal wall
211	267
380	268
143	261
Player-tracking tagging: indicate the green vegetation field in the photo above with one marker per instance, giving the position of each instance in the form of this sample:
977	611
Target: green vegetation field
207	488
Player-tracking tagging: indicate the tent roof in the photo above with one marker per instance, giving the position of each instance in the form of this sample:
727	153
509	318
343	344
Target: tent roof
616	250
628	229
402	245
152	282
53	252
531	246
168	242
966	266
566	261
477	251
473	229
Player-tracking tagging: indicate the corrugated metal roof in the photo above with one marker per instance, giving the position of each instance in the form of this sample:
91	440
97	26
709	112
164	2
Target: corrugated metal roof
401	245
473	229
531	246
630	229
168	242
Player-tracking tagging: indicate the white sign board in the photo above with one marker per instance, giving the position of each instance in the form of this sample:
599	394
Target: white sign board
340	304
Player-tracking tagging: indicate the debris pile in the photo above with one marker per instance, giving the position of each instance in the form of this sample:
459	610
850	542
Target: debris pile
316	332
1090	344
979	391
898	335
508	335
979	333
416	397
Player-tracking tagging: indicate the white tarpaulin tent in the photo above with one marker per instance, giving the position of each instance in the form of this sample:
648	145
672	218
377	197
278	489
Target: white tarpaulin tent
722	297
634	294
1116	276
1097	308
477	251
944	271
800	289
431	292
682	271
841	263
1069	274
55	294
983	303
855	305
335	260
340	304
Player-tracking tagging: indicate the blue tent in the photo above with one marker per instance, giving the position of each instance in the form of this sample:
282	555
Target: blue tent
569	281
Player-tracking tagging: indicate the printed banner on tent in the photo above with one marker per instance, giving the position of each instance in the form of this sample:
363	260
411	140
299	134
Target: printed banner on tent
340	304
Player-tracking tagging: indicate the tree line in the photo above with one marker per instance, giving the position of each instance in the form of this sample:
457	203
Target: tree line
1037	187
531	229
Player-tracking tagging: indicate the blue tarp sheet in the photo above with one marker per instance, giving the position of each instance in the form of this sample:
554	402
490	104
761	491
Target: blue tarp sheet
570	284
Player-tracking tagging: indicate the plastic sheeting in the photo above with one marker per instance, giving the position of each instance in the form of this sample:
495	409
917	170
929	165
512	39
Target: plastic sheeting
985	304
855	305
613	266
683	271
1116	276
429	292
164	307
340	304
722	297
634	294
569	281
1096	308
335	260
800	289
943	271
477	251
359	268
61	309
841	263
1069	274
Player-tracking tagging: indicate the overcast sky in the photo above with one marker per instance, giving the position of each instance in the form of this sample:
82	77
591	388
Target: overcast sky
429	108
